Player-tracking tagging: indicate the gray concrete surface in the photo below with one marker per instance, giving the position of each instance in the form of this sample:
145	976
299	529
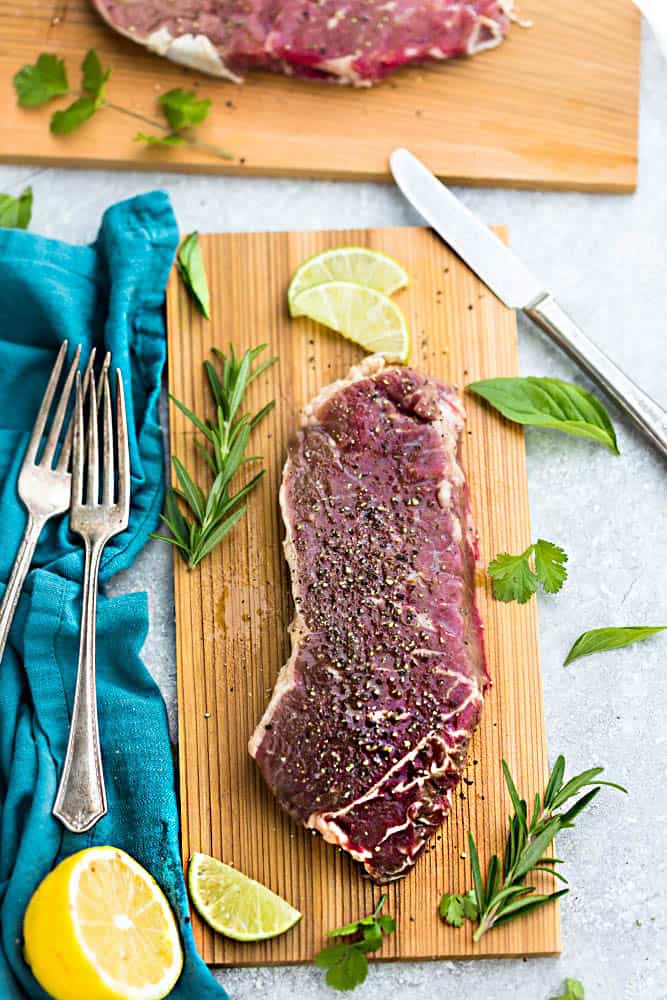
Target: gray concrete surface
605	258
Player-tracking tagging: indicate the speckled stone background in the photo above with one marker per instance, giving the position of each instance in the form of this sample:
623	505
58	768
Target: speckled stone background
605	257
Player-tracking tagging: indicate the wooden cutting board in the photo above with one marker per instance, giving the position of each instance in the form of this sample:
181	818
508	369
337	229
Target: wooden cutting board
554	106
232	612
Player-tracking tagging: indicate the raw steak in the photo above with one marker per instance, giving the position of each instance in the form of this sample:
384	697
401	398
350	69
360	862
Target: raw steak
366	733
351	41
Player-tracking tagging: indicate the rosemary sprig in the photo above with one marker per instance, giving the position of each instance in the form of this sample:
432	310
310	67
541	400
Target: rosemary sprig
504	895
208	518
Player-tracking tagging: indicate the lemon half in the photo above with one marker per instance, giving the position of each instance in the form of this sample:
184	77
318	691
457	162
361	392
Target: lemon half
100	928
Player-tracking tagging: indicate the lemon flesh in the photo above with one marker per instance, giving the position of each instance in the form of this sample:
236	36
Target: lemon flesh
100	928
356	264
363	315
235	905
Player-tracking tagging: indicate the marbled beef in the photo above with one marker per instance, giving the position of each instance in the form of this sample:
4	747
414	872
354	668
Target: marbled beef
366	732
351	41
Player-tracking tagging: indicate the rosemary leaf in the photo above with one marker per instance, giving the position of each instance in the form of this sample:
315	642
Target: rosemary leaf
497	900
199	518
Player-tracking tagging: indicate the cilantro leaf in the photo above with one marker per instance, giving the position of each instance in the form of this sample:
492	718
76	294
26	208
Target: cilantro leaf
15	213
346	962
451	909
470	907
173	139
346	930
63	122
372	938
94	78
513	579
183	108
573	991
347	966
38	84
549	402
549	559
191	268
599	640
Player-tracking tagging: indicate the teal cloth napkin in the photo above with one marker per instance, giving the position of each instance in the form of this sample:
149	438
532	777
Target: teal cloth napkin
110	294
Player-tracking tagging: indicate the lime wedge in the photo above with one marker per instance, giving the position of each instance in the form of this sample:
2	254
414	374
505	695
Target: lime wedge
235	905
363	315
356	264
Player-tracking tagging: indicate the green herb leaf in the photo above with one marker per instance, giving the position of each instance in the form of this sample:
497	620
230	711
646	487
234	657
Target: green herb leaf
213	513
573	991
94	78
63	122
347	966
599	640
182	108
191	268
15	213
36	85
549	402
173	139
346	961
470	907
549	559
513	579
451	909
508	897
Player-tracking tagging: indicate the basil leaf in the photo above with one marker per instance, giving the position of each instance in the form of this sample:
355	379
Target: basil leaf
15	213
63	122
38	84
183	108
549	402
191	268
598	640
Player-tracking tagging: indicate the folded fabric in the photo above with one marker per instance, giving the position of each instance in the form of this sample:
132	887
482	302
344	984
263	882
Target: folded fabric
110	295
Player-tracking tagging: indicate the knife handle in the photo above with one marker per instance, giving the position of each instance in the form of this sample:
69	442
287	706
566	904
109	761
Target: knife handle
646	413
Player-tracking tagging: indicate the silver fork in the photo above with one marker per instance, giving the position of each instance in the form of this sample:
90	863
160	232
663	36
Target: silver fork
81	800
44	490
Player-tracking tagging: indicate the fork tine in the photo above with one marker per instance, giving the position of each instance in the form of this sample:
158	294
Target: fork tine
65	451
92	453
43	412
107	445
77	446
123	450
59	416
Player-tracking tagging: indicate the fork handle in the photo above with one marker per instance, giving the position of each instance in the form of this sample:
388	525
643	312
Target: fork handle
81	800
33	530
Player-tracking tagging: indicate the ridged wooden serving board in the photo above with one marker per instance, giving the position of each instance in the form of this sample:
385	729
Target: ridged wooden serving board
555	106
232	612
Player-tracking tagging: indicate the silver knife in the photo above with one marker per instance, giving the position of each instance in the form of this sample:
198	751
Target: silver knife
512	282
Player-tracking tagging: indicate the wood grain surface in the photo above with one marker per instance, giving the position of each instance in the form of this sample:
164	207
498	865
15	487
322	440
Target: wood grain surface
554	106
232	612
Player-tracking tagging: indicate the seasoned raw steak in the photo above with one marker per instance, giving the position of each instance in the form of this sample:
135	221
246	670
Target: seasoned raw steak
352	41
366	733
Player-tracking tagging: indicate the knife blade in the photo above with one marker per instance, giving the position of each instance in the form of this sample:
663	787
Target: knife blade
509	278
